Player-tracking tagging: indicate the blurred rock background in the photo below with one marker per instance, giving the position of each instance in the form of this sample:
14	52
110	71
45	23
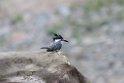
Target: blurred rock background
93	27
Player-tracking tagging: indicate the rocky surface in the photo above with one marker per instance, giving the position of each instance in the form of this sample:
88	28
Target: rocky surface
37	67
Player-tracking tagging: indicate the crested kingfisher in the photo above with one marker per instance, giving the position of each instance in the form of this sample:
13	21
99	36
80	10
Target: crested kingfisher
56	44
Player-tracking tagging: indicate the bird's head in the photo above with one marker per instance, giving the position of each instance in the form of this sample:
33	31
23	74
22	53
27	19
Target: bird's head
57	37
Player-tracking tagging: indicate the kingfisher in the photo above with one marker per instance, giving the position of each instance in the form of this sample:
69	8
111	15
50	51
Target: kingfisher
56	44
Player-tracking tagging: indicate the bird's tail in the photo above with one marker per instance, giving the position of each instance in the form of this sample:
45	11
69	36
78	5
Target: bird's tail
44	48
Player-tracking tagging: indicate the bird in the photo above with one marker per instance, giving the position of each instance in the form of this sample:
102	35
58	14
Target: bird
56	44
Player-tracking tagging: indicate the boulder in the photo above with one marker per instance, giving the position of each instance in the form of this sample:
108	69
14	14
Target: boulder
37	67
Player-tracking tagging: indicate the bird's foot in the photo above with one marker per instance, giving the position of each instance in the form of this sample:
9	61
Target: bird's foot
59	53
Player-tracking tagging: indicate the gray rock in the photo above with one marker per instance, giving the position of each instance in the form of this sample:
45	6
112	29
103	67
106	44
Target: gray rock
37	67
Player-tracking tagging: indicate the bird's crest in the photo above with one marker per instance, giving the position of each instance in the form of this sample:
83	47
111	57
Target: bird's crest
57	36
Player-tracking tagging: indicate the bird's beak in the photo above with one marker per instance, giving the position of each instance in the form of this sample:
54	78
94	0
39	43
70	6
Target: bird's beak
65	40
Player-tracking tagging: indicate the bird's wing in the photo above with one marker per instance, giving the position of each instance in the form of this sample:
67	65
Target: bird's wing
52	45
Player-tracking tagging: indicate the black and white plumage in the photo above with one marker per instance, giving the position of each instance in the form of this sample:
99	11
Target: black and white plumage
56	44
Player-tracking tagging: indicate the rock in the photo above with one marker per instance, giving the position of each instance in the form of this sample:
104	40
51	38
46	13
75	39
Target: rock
37	67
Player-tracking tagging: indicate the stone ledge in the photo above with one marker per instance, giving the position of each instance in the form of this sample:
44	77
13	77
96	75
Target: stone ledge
37	67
